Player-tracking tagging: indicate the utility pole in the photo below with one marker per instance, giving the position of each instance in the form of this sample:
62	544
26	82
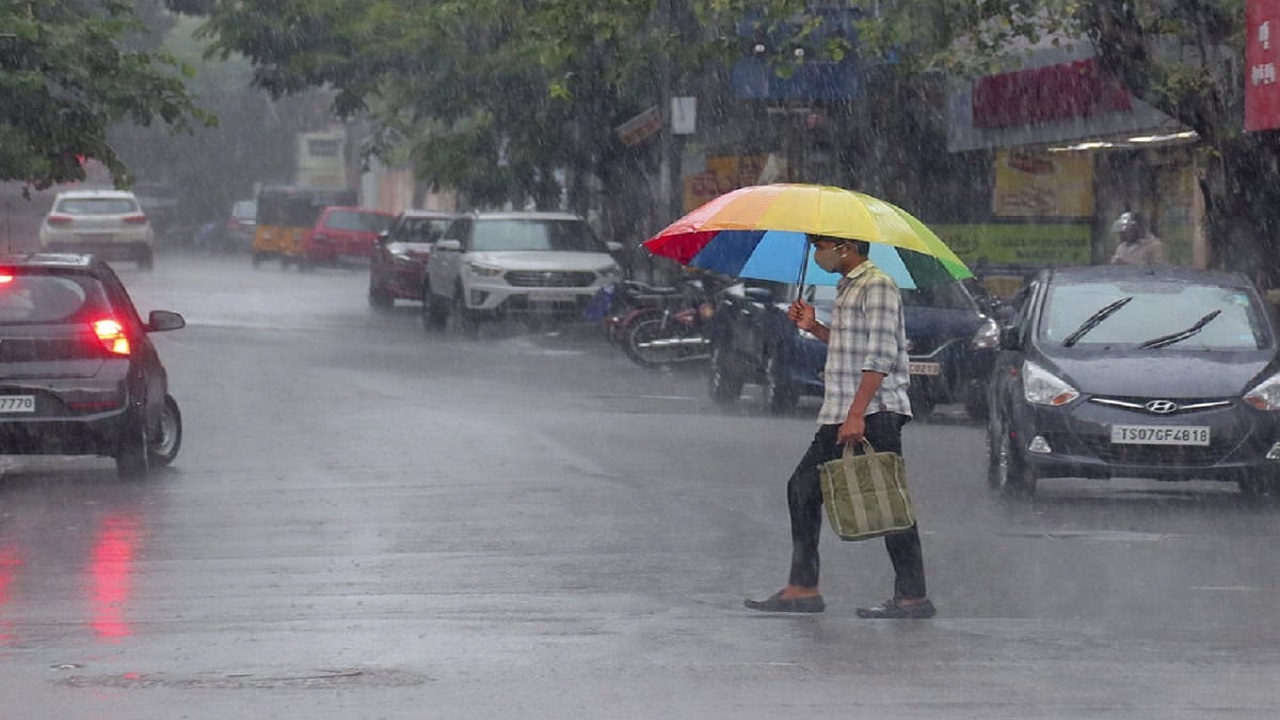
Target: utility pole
669	203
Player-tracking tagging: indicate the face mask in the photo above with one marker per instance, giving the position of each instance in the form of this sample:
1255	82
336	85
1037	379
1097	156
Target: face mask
828	259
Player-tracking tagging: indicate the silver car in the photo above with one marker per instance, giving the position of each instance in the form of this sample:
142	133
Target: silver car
108	223
532	265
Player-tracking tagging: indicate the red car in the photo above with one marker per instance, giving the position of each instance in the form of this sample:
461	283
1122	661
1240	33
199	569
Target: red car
343	235
400	256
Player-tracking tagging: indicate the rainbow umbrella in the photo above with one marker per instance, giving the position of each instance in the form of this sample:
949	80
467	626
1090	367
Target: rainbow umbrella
759	232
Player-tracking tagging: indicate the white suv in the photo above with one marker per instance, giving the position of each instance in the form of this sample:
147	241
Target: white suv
107	223
531	264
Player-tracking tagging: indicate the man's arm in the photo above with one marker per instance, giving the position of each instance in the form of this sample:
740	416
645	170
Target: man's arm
855	423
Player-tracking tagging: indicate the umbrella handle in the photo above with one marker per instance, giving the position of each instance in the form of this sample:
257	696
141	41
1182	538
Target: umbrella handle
804	266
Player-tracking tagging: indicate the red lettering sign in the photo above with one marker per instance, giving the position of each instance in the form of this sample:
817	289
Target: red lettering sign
1047	94
1262	42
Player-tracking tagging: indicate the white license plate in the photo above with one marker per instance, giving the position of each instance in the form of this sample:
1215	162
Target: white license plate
925	368
17	403
553	297
1160	435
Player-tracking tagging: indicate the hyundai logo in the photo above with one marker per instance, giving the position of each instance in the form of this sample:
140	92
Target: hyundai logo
1162	407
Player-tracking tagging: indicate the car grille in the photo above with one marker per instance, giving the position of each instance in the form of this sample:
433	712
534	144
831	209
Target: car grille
1156	455
542	279
1141	404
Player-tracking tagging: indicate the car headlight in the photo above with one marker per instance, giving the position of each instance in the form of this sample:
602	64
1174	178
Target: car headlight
1265	395
1041	387
481	270
988	335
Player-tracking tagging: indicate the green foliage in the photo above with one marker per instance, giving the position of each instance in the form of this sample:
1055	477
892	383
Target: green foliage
67	75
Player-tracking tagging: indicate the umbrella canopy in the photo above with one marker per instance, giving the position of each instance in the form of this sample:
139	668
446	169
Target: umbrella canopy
759	232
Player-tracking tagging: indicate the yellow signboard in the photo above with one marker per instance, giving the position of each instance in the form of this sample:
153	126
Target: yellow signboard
723	173
1040	184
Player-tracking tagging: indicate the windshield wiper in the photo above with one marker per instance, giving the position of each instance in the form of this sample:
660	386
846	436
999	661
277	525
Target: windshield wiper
1095	320
1167	340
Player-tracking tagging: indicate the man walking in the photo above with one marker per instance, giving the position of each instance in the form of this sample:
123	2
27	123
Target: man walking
865	397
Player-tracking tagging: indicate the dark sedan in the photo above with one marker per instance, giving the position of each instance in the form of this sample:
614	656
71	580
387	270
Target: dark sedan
400	256
78	374
1161	373
951	344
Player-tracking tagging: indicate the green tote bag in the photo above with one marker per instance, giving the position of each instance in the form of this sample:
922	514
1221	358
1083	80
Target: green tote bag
866	495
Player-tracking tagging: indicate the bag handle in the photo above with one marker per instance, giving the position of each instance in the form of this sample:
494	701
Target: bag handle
867	448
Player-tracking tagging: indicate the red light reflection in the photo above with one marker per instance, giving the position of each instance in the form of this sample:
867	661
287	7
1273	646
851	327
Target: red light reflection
9	560
110	572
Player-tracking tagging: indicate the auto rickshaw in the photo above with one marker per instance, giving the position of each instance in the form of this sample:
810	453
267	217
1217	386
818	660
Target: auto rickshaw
285	214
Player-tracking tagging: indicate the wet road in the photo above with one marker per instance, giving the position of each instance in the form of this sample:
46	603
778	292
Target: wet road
367	522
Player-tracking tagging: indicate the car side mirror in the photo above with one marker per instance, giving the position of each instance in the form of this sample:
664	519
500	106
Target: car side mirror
758	294
161	320
384	236
1010	338
614	247
448	245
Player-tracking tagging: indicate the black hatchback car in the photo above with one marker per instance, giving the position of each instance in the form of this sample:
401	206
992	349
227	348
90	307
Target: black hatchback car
78	374
1159	373
951	345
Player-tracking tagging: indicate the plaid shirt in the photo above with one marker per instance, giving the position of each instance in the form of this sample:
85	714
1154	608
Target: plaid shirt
866	333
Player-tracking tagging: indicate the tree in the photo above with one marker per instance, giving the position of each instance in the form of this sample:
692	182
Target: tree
67	74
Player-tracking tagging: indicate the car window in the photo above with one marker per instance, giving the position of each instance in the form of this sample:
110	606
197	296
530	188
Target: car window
458	231
422	229
46	298
245	209
357	221
1158	308
97	206
525	234
951	296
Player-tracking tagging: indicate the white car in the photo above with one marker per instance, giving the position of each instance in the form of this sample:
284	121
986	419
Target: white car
534	265
107	223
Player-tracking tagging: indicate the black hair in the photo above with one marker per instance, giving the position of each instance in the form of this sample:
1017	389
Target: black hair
861	246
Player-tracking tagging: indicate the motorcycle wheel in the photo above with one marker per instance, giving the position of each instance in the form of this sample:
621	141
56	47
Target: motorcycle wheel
641	345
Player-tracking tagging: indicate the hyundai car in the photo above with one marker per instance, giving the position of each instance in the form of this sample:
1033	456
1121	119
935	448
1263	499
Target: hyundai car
530	265
79	374
1137	372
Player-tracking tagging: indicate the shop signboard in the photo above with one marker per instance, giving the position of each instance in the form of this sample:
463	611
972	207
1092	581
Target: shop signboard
1031	183
1055	96
723	173
1262	45
1024	245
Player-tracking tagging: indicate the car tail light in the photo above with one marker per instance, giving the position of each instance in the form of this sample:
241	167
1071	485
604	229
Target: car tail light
59	219
135	220
112	336
5	279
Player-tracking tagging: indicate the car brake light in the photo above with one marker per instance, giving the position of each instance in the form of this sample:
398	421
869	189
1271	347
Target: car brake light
135	220
59	219
111	334
6	279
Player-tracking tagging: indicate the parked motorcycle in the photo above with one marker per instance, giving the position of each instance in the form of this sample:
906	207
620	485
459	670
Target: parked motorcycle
655	337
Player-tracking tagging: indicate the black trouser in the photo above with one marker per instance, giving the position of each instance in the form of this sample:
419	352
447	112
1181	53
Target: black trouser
804	499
